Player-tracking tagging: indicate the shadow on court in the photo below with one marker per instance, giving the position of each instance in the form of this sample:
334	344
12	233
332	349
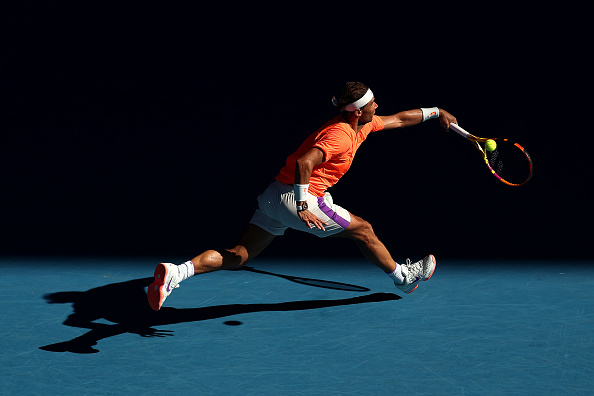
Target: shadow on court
125	305
324	284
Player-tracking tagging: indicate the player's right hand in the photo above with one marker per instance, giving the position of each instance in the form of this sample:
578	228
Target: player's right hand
311	220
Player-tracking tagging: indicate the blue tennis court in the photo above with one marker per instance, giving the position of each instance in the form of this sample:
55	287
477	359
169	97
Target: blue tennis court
133	131
302	327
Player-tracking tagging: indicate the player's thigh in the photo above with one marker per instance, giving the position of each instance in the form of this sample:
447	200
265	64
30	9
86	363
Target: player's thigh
357	229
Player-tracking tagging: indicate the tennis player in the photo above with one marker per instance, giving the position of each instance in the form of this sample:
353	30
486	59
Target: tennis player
299	199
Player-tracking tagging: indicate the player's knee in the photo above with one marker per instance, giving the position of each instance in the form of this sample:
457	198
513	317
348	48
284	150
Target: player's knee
363	230
239	256
367	233
367	228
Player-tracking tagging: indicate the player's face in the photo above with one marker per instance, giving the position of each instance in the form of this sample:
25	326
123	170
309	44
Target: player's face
367	112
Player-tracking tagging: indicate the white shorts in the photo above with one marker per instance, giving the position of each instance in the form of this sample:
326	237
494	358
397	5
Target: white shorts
277	211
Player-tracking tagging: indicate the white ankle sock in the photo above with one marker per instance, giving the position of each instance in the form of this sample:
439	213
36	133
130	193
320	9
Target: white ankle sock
185	270
396	275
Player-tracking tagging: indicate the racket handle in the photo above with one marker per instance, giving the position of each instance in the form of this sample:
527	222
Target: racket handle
456	128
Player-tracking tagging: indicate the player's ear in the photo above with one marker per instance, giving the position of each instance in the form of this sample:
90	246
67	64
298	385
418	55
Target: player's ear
358	113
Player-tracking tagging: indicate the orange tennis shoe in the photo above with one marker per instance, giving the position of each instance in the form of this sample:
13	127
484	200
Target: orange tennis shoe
166	279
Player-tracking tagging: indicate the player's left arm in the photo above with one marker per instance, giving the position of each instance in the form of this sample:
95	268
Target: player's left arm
409	118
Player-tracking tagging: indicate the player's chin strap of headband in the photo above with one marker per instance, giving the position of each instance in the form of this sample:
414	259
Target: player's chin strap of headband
357	104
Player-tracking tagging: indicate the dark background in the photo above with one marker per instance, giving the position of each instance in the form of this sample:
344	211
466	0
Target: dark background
151	130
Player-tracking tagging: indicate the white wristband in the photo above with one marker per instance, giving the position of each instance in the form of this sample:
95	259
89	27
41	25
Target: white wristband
429	113
300	192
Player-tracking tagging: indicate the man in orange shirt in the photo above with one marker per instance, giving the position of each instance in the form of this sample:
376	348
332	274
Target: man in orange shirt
299	199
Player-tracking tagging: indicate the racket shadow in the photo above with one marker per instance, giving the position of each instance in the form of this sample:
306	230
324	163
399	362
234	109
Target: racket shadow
311	282
125	306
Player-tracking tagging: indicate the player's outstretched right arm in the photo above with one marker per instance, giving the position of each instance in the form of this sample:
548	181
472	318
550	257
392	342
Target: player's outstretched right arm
303	169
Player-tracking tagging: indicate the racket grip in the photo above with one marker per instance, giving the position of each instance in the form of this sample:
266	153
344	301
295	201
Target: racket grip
458	129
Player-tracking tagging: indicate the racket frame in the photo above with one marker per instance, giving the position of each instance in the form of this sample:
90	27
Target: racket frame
476	142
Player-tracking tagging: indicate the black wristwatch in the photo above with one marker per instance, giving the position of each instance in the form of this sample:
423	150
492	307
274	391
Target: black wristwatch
302	207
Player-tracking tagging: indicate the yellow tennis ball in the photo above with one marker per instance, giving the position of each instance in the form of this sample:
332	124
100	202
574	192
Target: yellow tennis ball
490	145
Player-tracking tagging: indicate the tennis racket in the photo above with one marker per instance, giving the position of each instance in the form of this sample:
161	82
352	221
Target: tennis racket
510	163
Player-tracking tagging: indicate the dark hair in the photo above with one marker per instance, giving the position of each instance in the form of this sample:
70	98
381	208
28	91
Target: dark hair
351	92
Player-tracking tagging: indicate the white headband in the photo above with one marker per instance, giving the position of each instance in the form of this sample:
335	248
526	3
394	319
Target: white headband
357	104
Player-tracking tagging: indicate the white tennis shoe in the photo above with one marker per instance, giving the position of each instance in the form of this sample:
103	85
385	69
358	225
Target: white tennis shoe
166	279
415	272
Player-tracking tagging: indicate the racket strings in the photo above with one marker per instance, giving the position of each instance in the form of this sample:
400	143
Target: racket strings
510	162
495	161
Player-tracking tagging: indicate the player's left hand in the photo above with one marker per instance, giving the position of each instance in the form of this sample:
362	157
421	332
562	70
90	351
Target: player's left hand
445	119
